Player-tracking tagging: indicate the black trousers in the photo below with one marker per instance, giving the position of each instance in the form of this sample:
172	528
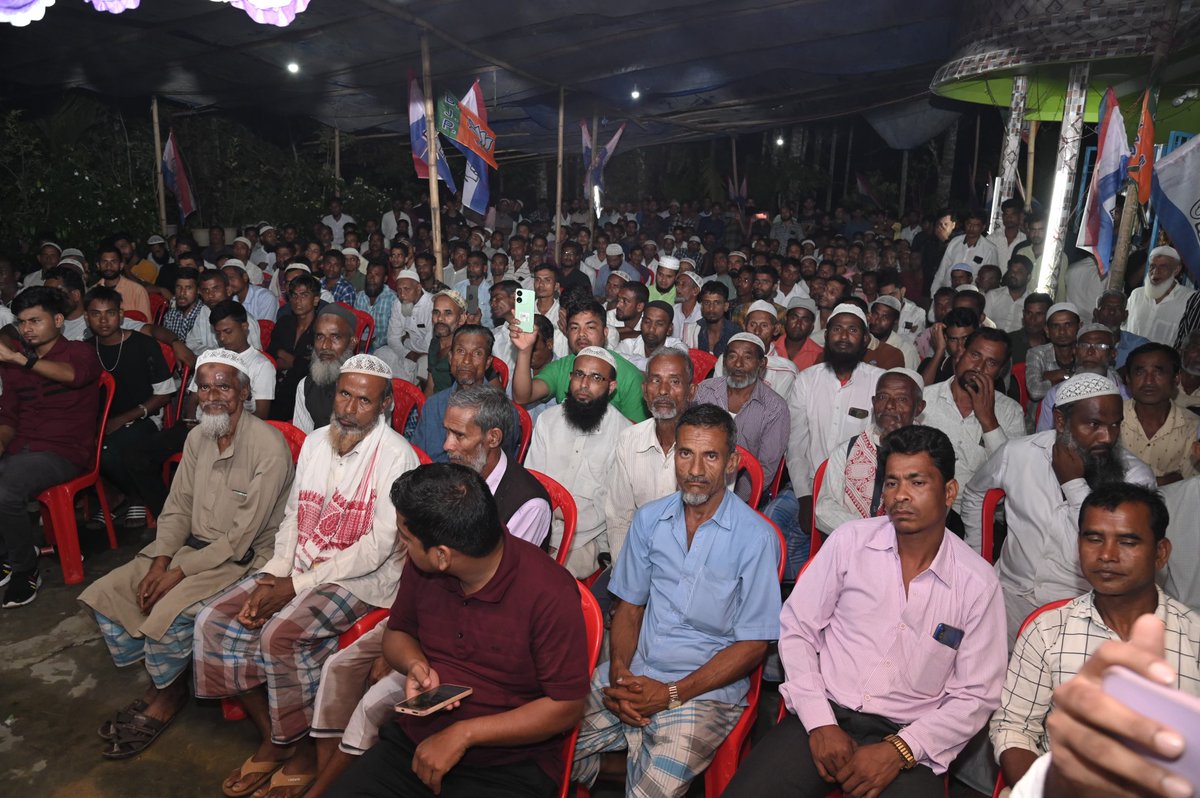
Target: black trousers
782	764
143	465
386	771
120	445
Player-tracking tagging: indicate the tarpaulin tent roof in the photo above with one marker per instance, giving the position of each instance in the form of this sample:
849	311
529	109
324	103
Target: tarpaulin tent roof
703	68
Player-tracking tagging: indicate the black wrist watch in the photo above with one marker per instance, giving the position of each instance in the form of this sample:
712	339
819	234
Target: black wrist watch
31	360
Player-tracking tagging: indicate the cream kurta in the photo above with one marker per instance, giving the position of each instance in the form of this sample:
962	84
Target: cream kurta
233	500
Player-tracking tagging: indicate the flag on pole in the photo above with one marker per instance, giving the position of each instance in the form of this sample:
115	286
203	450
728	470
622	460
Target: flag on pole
738	195
1175	185
464	122
1142	162
595	175
418	136
175	177
1096	232
863	185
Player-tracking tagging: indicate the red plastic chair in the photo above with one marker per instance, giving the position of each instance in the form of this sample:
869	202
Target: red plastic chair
362	626
265	328
158	306
58	502
406	397
777	482
526	432
422	458
593	624
815	537
561	499
987	544
1053	605
136	315
702	364
293	435
501	369
754	470
1018	372
364	328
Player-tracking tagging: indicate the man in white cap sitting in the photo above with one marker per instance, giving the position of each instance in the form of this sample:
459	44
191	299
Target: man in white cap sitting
410	329
883	320
336	557
762	415
614	260
1053	362
258	302
778	372
218	525
1095	353
1045	477
666	271
1156	308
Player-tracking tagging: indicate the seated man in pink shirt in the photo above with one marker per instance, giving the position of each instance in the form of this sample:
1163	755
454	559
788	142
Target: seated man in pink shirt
893	644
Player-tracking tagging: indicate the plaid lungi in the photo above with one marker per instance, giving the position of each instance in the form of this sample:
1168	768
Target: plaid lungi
286	654
166	658
664	756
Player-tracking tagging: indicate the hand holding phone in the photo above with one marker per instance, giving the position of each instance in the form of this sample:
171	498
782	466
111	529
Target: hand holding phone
1173	708
446	696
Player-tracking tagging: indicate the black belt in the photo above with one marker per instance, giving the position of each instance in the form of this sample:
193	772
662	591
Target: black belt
194	542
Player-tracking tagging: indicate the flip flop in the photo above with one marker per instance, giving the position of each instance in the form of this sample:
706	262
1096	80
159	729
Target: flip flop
135	735
108	729
287	781
264	770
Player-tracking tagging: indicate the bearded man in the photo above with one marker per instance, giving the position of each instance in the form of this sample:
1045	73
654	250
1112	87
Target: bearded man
333	345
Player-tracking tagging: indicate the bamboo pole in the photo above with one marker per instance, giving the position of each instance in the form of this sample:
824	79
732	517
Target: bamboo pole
595	153
158	158
558	201
975	156
337	161
903	180
1029	158
849	147
832	173
431	148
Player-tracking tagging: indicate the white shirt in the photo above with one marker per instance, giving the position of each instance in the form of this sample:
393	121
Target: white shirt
957	251
685	321
912	321
262	378
1084	285
581	462
338	226
779	375
798	290
911	359
201	337
972	446
301	418
1182	574
1004	250
1006	312
1158	321
411	333
642	472
260	303
833	509
390	225
820	408
634	350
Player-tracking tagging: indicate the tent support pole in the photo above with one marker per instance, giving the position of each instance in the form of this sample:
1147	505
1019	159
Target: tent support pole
158	173
591	189
1030	153
1010	151
337	160
1065	166
558	195
849	147
832	173
431	150
903	180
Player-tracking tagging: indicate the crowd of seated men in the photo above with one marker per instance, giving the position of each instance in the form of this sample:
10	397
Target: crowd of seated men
968	488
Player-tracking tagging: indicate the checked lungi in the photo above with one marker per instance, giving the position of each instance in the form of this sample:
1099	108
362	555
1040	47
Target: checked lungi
664	756
285	654
166	659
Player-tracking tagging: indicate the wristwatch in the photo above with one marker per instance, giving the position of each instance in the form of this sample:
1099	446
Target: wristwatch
31	360
902	748
673	701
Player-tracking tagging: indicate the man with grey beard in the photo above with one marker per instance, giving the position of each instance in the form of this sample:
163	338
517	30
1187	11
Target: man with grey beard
1045	477
336	557
225	505
333	344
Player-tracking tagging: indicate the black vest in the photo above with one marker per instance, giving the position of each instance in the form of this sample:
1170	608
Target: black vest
318	400
516	487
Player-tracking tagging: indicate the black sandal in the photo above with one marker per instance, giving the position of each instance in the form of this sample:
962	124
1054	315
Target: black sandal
135	735
108	729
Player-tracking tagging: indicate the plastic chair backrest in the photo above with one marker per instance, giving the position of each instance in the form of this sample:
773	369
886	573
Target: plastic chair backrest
406	397
265	328
136	315
777	481
109	387
294	437
362	626
422	458
1018	372
593	625
702	364
561	499
988	540
364	328
501	369
754	470
158	307
815	538
526	432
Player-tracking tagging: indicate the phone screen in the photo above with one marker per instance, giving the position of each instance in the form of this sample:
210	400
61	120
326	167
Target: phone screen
431	698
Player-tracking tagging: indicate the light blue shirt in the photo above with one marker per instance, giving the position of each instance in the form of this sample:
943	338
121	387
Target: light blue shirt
1127	344
699	600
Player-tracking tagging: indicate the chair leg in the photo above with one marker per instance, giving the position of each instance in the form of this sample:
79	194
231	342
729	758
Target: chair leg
108	520
66	537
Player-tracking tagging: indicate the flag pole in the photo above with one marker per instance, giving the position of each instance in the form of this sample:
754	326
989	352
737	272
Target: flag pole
558	201
158	156
435	205
903	180
337	161
592	166
832	165
849	147
1029	158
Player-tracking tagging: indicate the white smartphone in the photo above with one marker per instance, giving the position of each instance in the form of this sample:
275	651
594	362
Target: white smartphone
524	309
434	700
1170	707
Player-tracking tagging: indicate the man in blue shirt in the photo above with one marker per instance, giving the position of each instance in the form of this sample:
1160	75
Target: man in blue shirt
377	299
697	588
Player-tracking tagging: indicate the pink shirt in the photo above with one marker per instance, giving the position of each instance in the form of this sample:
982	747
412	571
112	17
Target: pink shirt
848	634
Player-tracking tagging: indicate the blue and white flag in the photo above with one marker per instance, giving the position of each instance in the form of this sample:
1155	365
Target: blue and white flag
1096	231
475	182
595	174
1175	197
418	137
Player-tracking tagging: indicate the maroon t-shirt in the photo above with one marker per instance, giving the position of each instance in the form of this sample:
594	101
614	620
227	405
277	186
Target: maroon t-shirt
518	639
51	416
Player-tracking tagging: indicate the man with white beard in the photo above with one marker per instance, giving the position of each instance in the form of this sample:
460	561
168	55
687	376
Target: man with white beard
1156	308
410	329
336	557
333	344
147	608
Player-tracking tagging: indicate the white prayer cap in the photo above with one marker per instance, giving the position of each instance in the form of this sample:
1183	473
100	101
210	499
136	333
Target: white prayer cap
912	375
152	240
351	251
1092	327
650	242
669	263
1169	252
599	353
808	257
366	364
300	267
1084	386
620	275
962	267
965	287
235	263
50	244
223	357
1069	307
694	238
687	260
749	338
265	228
668	235
764	306
803	303
808	241
71	252
695	278
453	296
244	240
71	262
614	249
889	301
408	274
737	253
853	310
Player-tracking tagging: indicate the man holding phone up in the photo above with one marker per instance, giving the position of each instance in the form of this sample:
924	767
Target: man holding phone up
481	609
893	644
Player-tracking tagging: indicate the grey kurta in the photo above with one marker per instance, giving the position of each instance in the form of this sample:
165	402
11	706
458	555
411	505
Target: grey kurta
234	500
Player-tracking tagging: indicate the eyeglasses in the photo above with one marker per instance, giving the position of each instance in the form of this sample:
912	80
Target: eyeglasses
885	400
1094	347
578	374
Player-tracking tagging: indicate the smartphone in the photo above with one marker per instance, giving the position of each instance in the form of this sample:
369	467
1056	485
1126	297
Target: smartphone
1170	707
434	700
525	309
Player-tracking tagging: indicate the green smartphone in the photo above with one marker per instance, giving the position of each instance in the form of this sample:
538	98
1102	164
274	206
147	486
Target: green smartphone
526	307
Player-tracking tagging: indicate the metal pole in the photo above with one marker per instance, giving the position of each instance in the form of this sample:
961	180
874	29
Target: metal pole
1065	166
832	173
1029	157
435	205
1010	151
587	177
337	161
975	156
558	202
849	147
158	155
903	180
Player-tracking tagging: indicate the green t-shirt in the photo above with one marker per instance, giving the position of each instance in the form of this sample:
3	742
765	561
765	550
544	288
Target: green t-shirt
627	398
